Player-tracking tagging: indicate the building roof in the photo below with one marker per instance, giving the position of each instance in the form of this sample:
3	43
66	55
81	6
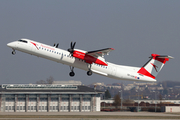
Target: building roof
79	90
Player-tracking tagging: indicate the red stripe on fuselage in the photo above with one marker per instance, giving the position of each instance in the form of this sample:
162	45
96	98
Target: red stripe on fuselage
88	58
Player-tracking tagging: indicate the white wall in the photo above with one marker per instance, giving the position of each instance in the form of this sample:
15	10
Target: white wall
172	109
98	104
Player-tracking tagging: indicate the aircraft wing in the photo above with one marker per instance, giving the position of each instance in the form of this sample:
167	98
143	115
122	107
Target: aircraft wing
101	52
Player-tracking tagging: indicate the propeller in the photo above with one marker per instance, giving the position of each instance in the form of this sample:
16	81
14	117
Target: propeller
71	49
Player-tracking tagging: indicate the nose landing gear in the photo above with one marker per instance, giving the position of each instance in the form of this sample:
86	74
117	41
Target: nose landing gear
13	52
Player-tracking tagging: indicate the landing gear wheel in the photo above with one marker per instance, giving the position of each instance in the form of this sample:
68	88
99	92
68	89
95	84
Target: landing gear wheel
89	73
71	74
13	52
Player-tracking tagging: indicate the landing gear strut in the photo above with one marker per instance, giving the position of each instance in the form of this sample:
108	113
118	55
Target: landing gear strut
89	73
72	72
13	52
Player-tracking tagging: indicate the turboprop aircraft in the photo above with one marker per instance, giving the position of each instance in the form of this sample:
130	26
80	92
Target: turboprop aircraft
92	61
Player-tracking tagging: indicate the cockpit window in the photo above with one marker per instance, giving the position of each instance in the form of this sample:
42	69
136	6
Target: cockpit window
23	41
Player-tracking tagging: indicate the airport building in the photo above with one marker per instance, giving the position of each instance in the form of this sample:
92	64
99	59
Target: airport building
48	98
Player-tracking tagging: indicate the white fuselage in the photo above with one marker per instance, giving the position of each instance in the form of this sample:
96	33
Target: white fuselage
62	56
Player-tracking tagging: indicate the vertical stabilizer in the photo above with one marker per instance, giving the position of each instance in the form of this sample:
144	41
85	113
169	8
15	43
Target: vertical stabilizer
154	65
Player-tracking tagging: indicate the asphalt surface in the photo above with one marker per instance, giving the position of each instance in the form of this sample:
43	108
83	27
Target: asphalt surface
90	113
133	114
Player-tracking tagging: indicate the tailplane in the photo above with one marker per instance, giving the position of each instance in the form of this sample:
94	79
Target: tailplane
154	65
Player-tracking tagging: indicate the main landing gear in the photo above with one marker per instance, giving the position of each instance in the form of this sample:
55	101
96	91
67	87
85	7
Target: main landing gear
89	73
13	52
72	72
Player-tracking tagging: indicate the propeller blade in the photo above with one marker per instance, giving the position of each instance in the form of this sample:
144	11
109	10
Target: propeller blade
73	45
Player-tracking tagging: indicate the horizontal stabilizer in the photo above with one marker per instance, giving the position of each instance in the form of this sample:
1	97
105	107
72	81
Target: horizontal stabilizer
154	65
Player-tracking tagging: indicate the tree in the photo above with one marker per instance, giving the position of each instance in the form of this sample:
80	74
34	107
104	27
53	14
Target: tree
117	100
160	98
107	94
41	82
48	81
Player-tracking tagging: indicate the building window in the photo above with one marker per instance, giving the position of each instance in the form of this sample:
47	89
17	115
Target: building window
12	107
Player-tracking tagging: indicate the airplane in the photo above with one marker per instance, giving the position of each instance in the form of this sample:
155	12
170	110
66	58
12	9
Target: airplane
92	61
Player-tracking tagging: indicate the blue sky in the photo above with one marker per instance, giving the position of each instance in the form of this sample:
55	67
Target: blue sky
135	29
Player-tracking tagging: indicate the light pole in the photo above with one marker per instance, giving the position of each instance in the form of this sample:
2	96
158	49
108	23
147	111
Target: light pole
104	98
138	98
155	100
121	98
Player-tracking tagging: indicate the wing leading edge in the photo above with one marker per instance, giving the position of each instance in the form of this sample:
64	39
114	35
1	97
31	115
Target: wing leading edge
101	52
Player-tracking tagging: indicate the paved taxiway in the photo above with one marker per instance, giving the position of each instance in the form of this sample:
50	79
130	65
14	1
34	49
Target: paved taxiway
133	114
90	113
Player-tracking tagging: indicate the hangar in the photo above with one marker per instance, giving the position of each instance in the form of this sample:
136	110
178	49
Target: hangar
48	98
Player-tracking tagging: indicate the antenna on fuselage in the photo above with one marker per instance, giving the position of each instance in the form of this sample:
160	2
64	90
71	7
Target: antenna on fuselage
54	45
57	45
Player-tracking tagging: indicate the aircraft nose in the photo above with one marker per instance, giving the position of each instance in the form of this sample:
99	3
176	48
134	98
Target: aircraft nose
11	45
